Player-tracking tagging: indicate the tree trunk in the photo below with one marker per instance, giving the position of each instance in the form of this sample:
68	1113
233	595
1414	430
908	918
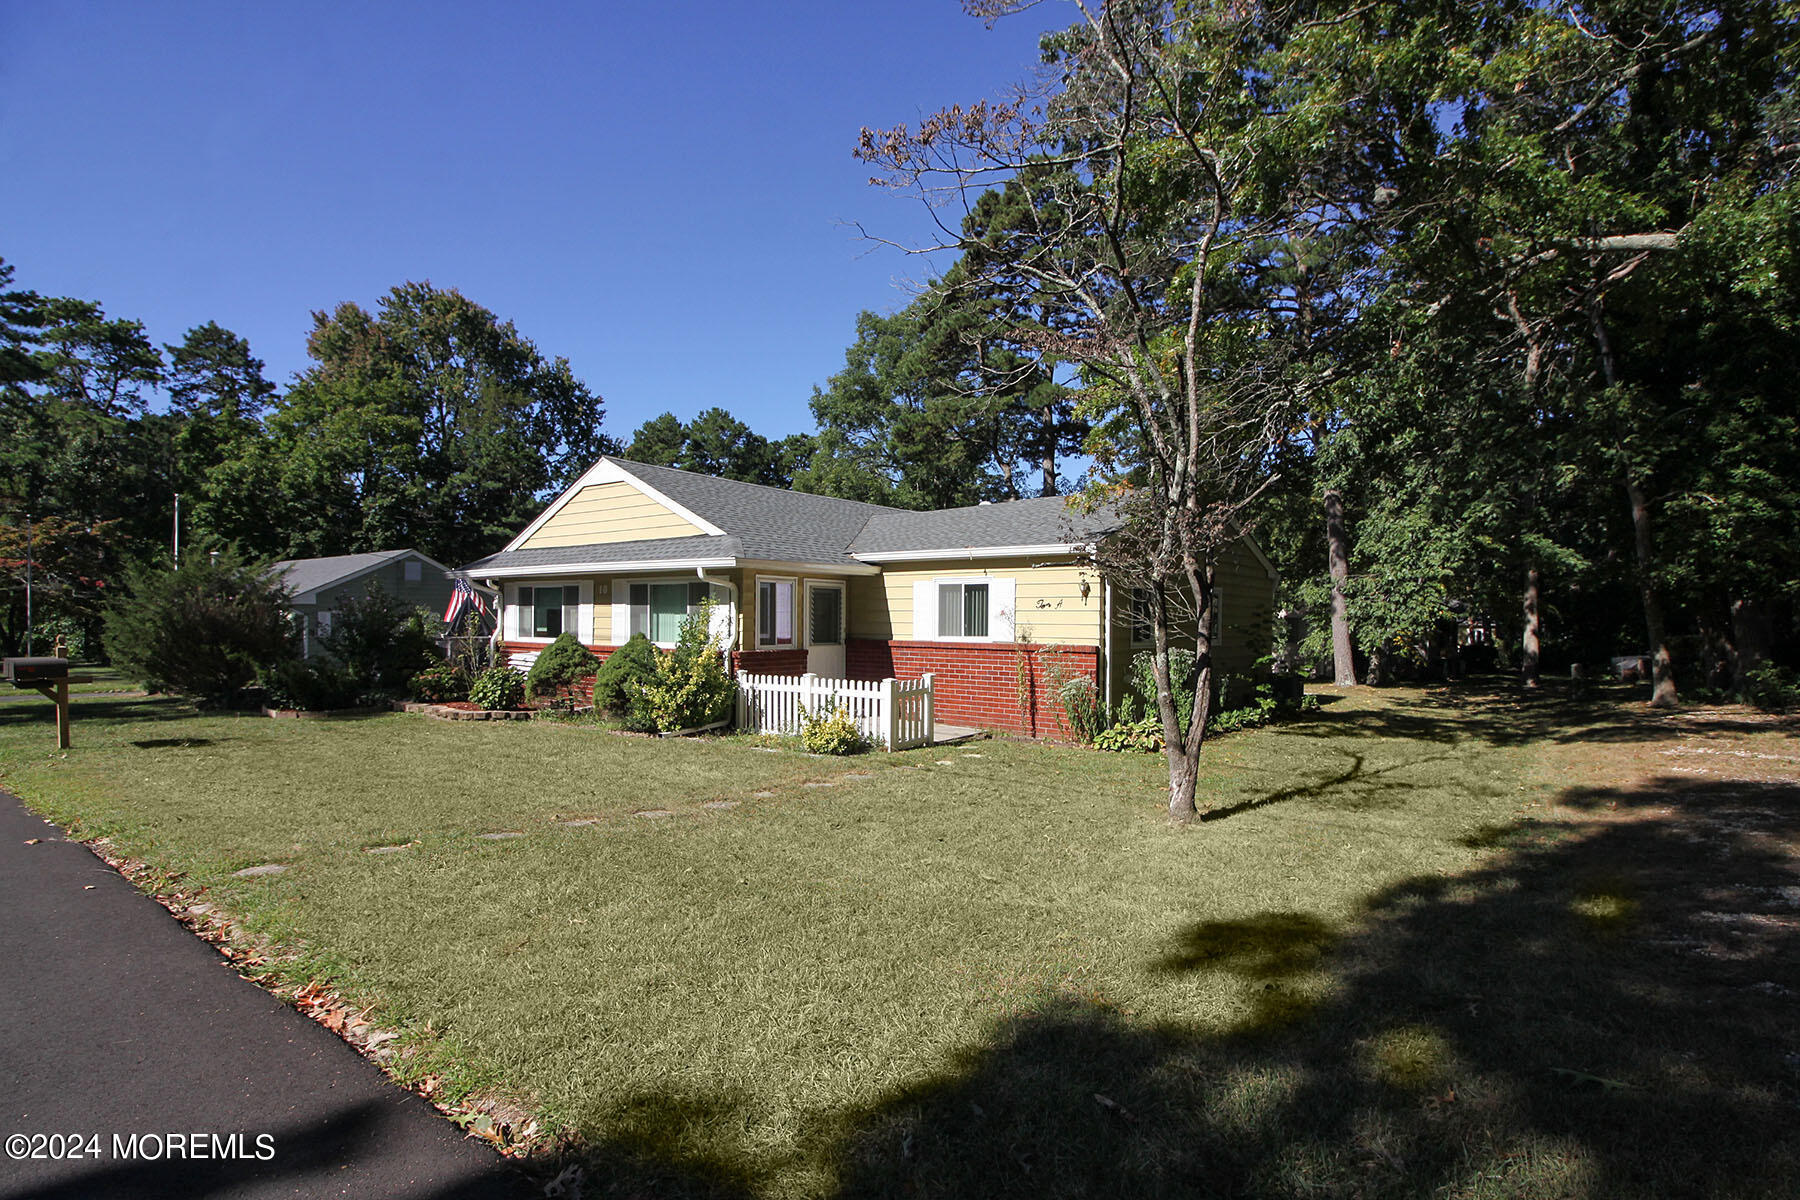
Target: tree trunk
1751	633
1343	653
1662	663
1049	451
1534	630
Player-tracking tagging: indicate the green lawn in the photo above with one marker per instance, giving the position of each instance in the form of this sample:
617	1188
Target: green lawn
1435	945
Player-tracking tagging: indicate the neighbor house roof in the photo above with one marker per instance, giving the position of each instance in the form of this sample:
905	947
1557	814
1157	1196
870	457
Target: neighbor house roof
749	521
303	576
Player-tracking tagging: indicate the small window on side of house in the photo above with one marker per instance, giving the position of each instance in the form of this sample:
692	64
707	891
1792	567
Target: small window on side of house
963	610
414	570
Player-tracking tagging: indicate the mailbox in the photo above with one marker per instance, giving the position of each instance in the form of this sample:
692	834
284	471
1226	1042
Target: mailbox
29	672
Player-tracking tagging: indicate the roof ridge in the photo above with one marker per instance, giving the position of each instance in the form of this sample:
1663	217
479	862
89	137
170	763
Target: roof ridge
629	463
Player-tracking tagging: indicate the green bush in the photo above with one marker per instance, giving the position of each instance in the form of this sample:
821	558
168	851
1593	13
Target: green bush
614	683
439	684
831	732
1772	688
1181	682
498	687
563	663
691	687
378	642
206	628
315	686
1082	707
1143	736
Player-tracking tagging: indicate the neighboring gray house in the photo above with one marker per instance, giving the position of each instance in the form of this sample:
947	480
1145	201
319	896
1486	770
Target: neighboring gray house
320	585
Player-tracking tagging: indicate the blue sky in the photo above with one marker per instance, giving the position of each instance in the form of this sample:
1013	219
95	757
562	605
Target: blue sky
656	192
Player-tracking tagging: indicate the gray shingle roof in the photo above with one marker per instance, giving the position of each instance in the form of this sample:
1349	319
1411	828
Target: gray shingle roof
771	523
310	574
786	526
1041	522
654	550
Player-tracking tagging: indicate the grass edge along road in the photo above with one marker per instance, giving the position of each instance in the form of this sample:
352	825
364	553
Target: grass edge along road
1389	970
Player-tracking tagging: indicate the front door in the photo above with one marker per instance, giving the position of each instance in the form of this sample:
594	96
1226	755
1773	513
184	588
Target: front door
825	629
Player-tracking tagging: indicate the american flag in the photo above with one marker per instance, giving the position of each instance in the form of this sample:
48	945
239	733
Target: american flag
461	596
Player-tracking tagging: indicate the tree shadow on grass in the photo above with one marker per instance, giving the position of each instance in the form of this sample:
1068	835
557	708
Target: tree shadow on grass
1505	714
111	712
1606	1009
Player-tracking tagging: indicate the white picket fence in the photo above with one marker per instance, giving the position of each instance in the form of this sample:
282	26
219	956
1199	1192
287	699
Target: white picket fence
895	713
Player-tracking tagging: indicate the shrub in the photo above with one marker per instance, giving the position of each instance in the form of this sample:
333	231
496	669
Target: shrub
1082	707
1181	681
618	683
561	664
378	642
831	732
498	687
206	628
1772	688
691	687
439	684
1143	735
314	686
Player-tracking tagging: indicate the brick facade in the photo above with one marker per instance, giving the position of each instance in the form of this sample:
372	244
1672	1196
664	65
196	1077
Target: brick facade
974	683
769	662
980	683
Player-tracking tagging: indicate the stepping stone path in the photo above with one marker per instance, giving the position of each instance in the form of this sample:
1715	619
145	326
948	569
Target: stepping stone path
265	869
580	821
720	804
392	849
499	837
972	754
946	762
763	795
859	775
822	783
654	813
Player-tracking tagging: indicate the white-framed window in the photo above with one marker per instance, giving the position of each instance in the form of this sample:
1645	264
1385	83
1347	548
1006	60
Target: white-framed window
657	607
963	610
542	612
976	608
414	570
775	623
824	614
322	623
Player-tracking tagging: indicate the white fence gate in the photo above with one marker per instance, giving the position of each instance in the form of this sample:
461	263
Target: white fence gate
894	713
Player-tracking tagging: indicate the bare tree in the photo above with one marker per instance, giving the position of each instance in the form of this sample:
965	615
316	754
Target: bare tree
1147	159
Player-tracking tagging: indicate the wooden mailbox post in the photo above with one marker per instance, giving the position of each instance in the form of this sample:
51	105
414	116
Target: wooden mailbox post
49	676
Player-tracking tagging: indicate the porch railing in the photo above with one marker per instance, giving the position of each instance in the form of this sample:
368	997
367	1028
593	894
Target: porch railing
895	713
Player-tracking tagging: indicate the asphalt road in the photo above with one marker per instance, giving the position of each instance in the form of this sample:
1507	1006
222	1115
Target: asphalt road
116	1022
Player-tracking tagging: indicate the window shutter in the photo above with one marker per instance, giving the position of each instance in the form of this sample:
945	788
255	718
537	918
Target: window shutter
621	613
924	610
1002	620
584	612
724	617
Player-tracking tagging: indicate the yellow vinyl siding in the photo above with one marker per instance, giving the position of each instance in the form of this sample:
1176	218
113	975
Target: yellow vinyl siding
609	512
1247	596
1050	607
